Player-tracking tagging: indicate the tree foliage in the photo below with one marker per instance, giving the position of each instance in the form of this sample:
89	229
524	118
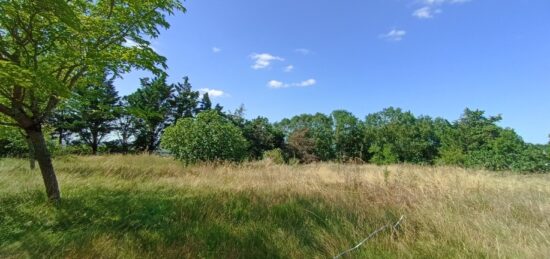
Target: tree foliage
208	137
92	112
47	48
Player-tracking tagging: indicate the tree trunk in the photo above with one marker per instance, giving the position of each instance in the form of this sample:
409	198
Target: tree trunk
60	137
44	161
32	157
94	143
32	160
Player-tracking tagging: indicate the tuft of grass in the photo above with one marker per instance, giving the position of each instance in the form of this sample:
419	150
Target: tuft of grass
150	206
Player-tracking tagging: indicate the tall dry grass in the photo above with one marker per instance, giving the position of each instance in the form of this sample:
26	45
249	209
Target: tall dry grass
159	207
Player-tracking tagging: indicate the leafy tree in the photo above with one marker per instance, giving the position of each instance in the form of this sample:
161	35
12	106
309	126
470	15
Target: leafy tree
348	135
262	137
151	106
473	131
124	127
61	120
302	145
49	47
208	137
396	136
319	128
93	110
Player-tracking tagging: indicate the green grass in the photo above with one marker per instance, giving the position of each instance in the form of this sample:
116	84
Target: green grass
147	206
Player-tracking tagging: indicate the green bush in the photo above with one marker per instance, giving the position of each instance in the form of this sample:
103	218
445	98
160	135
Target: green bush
208	137
275	155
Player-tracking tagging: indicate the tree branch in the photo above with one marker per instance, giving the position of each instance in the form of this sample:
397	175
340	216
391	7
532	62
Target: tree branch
9	124
6	110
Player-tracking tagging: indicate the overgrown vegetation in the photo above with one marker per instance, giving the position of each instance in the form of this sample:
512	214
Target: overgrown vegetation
150	206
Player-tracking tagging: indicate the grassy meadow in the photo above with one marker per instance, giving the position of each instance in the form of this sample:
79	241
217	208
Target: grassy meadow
150	206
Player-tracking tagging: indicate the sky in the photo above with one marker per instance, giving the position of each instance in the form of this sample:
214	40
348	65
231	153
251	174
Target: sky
432	57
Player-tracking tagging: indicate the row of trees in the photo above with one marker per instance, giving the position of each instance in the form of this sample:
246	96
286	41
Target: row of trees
96	116
386	137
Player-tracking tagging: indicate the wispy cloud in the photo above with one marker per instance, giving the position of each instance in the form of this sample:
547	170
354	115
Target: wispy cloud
288	68
263	60
303	51
430	8
394	35
216	49
275	84
213	92
426	12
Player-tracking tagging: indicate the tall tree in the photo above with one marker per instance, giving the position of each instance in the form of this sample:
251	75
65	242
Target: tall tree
124	126
61	121
206	103
185	100
348	135
152	107
49	47
94	109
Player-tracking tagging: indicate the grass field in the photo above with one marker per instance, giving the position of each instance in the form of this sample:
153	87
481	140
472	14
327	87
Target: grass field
148	206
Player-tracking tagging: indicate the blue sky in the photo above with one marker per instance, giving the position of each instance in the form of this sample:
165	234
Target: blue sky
433	57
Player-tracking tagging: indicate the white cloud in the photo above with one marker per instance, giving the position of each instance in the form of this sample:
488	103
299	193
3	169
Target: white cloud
288	68
213	92
278	84
426	12
394	35
303	51
263	60
306	83
431	7
216	49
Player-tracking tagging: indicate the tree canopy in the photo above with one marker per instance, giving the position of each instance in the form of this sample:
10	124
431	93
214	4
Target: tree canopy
47	48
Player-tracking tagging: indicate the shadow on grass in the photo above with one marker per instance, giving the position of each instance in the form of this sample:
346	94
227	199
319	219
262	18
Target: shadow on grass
149	223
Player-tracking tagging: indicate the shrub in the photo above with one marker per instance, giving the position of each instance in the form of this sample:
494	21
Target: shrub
208	137
275	155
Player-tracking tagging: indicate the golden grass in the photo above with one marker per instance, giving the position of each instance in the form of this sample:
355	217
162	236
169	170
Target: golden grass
449	212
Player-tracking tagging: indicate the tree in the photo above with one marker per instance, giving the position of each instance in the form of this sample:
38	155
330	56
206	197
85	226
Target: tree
348	135
61	121
394	136
319	127
93	110
151	106
206	103
302	145
185	101
208	137
262	136
124	126
473	131
49	47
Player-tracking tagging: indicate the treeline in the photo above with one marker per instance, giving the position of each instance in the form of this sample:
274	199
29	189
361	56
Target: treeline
96	119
